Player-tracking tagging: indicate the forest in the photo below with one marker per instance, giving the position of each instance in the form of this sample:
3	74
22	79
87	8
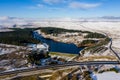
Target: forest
18	37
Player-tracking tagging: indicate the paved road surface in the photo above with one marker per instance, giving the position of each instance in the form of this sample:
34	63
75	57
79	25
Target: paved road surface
60	65
114	51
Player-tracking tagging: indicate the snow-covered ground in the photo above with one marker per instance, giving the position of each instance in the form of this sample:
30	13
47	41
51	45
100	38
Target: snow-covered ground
12	56
111	28
5	30
109	25
107	76
7	49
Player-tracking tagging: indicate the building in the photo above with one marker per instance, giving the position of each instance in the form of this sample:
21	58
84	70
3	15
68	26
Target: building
38	47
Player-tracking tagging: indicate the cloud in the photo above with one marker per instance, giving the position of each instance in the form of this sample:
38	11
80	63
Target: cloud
40	5
37	6
80	5
64	4
44	7
54	1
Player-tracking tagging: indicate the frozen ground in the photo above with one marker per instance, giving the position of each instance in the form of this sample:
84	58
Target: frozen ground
12	56
7	49
5	30
107	76
111	26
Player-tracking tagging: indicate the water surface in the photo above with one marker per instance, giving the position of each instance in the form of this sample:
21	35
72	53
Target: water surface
58	46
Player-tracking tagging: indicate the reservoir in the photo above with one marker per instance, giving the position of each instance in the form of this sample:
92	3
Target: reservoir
58	46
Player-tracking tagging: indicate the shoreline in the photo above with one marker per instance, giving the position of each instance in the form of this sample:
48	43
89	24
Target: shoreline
56	39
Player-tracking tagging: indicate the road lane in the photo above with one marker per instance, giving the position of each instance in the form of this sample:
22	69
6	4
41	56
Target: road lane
114	51
60	65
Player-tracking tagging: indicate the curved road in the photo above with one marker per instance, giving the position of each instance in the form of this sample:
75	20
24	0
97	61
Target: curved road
114	51
65	64
116	54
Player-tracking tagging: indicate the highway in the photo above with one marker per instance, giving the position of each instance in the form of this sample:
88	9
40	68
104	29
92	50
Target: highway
114	51
110	47
60	65
72	63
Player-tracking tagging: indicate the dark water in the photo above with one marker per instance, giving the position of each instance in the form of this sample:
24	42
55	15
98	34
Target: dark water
58	46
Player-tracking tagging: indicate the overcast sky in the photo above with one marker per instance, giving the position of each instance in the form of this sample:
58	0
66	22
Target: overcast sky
59	8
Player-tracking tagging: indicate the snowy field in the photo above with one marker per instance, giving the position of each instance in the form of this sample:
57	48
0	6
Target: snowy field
111	26
108	76
5	30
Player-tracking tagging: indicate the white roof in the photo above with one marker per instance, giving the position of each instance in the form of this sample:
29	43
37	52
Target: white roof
41	46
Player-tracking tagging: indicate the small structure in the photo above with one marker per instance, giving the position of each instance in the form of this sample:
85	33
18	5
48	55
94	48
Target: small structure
43	46
40	53
38	47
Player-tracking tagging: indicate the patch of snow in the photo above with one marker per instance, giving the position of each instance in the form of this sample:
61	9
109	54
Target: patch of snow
5	48
108	76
